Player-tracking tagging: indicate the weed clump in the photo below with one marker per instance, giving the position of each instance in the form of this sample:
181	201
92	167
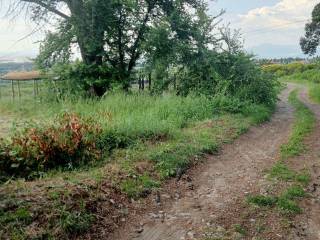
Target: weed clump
262	201
68	143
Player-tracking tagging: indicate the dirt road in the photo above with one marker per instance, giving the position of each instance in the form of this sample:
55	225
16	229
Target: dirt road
307	225
231	175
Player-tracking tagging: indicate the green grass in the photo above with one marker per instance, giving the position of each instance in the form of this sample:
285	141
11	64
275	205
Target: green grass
287	200
309	78
282	172
262	201
314	92
304	124
293	192
164	136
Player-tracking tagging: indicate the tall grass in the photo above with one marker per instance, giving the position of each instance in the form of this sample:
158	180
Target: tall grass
310	78
304	124
137	115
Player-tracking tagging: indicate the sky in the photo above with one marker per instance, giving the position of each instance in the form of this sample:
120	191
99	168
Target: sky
271	28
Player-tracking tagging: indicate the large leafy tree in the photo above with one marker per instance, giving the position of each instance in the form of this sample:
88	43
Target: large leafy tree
310	42
117	33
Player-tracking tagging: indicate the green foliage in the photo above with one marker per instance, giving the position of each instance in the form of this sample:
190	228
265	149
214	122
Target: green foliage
282	172
139	186
263	201
294	192
309	76
285	203
134	30
21	214
68	80
120	121
229	74
240	229
314	92
295	68
288	206
174	159
304	123
75	222
310	42
303	178
173	131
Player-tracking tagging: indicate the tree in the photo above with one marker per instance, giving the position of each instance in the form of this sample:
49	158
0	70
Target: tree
310	42
113	32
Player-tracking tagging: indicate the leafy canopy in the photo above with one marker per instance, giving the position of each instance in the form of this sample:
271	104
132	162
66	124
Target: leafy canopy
310	42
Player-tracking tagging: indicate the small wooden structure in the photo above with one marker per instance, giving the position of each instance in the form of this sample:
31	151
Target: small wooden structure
18	77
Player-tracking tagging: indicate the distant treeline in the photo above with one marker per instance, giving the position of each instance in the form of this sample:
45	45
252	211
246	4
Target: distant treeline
281	70
283	60
10	67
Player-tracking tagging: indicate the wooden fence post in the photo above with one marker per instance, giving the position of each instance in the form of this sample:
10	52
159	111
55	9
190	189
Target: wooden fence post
19	92
149	80
12	87
34	88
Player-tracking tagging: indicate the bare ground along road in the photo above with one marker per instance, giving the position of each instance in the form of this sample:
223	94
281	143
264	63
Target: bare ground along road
307	225
215	186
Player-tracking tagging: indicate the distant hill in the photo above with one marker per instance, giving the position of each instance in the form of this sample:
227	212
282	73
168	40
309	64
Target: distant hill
277	51
17	57
6	67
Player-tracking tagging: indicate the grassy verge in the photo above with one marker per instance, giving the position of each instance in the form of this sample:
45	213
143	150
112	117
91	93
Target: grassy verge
308	80
165	135
286	200
304	123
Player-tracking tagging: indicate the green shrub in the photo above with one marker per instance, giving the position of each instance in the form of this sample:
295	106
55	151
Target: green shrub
79	79
295	68
231	75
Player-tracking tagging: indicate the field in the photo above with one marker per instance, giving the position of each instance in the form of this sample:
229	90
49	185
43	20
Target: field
306	74
79	167
146	140
150	120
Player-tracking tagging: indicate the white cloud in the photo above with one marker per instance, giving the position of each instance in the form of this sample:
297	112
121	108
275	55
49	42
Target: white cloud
281	24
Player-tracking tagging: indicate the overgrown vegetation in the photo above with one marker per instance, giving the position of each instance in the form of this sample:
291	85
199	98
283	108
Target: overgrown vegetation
304	123
71	140
307	74
126	144
298	69
286	199
93	142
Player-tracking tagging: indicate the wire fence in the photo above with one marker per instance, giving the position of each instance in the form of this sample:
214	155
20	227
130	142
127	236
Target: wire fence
18	90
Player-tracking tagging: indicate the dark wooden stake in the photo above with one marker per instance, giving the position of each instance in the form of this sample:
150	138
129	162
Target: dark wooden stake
34	88
19	91
12	87
149	79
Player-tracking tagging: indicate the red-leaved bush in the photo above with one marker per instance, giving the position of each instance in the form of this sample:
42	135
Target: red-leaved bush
70	141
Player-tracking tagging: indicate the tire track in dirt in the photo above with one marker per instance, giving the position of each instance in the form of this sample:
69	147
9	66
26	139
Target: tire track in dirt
222	179
307	225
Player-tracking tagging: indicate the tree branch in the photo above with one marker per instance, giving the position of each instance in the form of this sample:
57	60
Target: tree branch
133	50
48	7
